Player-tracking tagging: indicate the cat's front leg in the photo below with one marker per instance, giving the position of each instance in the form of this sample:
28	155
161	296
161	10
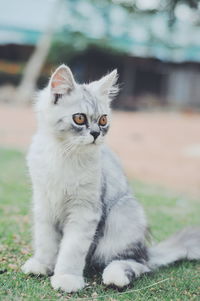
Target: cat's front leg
46	242
77	238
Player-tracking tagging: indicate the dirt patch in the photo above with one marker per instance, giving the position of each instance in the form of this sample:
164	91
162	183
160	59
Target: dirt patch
161	148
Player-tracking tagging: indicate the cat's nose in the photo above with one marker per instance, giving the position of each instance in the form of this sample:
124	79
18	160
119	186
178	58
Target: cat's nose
95	134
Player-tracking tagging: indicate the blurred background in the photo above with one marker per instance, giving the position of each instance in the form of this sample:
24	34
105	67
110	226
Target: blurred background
154	44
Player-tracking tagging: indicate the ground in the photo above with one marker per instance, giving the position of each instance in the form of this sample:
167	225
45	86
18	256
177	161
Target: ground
157	147
162	148
166	211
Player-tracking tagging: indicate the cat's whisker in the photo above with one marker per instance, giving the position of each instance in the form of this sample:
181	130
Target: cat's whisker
68	148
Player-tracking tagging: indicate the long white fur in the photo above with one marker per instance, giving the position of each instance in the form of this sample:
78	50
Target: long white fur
67	170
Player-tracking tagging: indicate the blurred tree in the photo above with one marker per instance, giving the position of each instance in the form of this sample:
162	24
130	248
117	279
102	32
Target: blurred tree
167	5
70	42
73	37
172	4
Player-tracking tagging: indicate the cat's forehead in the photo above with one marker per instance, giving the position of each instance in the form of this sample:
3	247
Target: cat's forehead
90	104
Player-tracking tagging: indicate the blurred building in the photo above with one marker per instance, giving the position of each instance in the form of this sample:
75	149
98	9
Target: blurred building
158	64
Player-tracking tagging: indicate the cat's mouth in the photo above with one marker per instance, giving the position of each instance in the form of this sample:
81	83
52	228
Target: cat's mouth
95	142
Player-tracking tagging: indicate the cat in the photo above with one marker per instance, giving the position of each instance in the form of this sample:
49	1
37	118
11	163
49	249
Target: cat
84	212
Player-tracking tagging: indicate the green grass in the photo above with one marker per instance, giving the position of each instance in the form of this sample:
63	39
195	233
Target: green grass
166	212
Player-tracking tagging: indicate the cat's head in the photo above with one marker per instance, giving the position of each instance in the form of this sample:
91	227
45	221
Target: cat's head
77	114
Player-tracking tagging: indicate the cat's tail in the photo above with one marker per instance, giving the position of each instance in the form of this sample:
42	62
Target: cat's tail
182	245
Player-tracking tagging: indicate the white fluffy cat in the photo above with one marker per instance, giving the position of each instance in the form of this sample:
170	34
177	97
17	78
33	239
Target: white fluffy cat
84	212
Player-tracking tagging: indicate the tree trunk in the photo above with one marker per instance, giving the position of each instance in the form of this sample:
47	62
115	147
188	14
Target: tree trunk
26	89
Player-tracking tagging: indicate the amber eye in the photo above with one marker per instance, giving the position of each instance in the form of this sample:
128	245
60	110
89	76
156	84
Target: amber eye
79	119
103	120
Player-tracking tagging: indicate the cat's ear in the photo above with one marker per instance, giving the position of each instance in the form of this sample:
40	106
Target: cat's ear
62	81
107	84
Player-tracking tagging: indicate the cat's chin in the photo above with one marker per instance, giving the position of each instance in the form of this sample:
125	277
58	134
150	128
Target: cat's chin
93	144
96	143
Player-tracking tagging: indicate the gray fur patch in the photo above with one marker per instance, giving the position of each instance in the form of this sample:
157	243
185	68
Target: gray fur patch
130	274
104	130
77	129
90	100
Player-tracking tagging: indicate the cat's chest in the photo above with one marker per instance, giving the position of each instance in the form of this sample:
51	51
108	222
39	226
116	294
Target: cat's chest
67	179
64	179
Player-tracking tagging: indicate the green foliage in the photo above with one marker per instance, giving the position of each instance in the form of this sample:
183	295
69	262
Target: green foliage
172	4
77	35
167	213
66	46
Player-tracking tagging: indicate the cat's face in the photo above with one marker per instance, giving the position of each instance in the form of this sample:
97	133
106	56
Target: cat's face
78	115
80	118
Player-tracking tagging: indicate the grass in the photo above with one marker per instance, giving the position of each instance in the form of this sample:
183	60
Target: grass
166	211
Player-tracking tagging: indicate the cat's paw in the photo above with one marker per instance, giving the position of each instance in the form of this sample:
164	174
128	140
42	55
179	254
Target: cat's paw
113	274
67	282
33	266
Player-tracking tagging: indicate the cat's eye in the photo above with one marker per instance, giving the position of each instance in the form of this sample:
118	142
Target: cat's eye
79	119
103	120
